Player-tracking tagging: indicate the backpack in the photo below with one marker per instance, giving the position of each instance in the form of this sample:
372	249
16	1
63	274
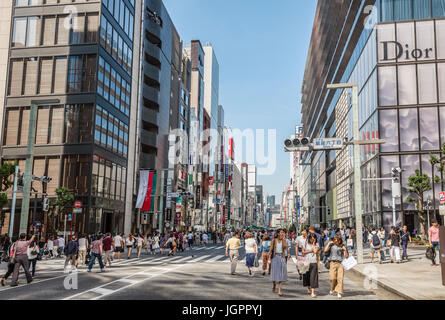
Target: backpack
375	240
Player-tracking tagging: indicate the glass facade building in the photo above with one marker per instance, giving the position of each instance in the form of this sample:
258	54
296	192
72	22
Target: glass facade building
395	54
81	53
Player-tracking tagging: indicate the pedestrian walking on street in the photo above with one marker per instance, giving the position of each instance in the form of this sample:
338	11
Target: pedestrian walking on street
50	247
107	244
301	241
171	245
232	251
205	239
10	254
61	242
156	244
375	245
139	243
71	252
21	259
433	236
405	239
265	248
118	245
55	247
96	252
83	246
33	253
320	244
310	278
251	252
336	252
129	243
394	238
278	260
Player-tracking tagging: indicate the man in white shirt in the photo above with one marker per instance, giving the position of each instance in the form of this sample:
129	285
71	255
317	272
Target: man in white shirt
61	245
83	245
205	238
190	240
118	246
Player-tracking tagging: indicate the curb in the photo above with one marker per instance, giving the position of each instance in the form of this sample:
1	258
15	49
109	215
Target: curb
386	287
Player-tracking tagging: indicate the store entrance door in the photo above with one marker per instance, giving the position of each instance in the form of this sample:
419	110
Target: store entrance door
108	222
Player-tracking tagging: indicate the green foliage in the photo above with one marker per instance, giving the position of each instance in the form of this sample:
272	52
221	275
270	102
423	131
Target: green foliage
7	170
65	199
418	184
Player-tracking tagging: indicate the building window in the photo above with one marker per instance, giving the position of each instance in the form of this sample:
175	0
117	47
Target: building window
60	79
389	130
387	86
422	9
49	26
429	129
30	79
16	77
407	85
409	134
26	32
46	75
427	83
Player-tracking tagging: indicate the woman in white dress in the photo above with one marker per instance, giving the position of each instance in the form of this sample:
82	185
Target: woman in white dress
155	244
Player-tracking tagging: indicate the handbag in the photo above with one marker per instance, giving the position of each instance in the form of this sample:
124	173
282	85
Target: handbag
256	264
12	255
349	263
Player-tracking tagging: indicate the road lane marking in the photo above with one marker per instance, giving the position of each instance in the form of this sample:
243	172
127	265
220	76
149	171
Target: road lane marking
215	258
199	259
183	259
102	291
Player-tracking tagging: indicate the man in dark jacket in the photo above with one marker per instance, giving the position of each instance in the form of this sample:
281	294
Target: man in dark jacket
71	251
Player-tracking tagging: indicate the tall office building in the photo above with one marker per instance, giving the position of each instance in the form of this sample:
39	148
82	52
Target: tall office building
396	58
83	54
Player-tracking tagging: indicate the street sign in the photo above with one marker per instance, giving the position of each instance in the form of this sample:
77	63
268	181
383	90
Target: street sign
442	197
77	210
442	210
173	195
78	204
328	143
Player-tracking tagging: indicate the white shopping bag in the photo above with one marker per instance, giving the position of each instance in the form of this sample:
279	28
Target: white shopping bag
349	263
349	243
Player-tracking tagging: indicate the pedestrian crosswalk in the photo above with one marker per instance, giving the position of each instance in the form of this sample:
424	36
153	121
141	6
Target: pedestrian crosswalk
201	254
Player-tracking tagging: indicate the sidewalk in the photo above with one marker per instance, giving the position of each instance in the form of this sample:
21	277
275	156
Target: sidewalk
416	279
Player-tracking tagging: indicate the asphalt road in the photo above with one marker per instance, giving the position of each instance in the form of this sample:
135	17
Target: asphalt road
197	274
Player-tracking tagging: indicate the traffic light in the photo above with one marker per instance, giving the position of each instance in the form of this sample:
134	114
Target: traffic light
297	144
45	203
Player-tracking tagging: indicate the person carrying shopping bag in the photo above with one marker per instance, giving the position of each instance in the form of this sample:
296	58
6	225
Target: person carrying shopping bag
336	252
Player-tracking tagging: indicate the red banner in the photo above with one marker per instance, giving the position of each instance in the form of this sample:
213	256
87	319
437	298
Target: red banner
147	201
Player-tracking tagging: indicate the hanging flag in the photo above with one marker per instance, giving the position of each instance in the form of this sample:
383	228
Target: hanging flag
147	202
153	192
143	185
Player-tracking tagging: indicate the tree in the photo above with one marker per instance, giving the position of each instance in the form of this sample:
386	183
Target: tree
7	171
418	184
64	201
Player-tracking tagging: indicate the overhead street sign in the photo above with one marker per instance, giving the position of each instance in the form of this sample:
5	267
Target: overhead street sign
328	144
173	195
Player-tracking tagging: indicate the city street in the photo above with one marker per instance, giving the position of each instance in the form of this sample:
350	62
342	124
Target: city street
197	274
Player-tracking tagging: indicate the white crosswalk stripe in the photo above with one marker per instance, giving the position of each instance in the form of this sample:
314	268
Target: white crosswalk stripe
216	258
183	259
197	249
199	258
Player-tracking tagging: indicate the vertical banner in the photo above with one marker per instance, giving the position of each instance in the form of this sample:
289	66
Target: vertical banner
153	192
143	185
147	202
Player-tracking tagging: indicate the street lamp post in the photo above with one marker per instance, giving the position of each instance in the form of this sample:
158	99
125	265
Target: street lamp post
433	184
30	159
357	173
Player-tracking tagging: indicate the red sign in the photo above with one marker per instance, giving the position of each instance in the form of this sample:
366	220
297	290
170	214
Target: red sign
211	181
442	197
231	147
78	204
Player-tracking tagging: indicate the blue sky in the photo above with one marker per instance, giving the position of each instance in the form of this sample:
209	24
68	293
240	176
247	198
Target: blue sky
261	47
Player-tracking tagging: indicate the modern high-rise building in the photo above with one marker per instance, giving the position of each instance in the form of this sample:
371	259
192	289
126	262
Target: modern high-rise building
395	55
83	54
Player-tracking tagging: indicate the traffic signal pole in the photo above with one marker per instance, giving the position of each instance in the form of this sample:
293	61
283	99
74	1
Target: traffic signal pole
28	169
14	200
